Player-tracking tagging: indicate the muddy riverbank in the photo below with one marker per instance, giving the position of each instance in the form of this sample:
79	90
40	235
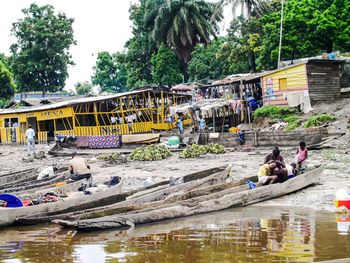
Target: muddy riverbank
319	196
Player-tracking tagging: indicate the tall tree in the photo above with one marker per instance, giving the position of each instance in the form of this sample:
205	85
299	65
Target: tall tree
7	85
205	62
243	45
110	72
41	55
5	59
83	88
165	67
182	24
309	29
139	49
249	8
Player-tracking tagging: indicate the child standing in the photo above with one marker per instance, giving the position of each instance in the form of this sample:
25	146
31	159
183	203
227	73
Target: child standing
301	156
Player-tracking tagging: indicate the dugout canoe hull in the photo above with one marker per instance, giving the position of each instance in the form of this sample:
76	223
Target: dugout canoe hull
140	138
9	216
177	210
18	177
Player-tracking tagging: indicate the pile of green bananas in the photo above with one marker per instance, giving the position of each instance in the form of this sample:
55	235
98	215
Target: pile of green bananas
152	152
215	148
113	158
196	150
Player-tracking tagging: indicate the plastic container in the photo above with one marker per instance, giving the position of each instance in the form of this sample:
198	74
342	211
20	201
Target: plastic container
342	198
11	200
339	203
174	140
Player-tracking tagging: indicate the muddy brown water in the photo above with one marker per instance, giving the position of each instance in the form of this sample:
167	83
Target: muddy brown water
251	234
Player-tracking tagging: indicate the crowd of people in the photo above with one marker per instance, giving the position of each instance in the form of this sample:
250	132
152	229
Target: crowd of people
275	170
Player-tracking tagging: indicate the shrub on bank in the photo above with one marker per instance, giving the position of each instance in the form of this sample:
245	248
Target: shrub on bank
278	113
274	112
318	120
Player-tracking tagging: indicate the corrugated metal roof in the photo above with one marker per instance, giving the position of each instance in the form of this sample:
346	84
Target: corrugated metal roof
71	102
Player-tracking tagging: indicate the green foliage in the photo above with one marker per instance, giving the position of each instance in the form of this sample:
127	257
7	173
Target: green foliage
255	8
196	150
318	120
40	56
309	28
152	152
140	49
278	113
165	67
293	122
6	60
7	85
83	88
206	63
243	45
182	24
274	112
4	103
110	72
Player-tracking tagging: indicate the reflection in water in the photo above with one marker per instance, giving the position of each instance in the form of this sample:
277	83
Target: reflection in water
240	235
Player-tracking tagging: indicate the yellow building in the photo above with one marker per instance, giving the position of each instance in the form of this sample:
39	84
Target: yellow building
124	113
316	79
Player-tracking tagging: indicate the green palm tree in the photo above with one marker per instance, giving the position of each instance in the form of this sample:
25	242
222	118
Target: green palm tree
181	24
250	7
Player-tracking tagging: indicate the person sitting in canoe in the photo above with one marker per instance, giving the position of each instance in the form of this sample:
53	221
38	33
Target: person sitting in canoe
292	170
279	170
265	174
47	172
78	168
275	157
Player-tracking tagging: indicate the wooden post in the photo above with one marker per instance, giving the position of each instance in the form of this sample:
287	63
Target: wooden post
96	119
163	109
122	113
241	89
54	127
249	121
73	120
213	119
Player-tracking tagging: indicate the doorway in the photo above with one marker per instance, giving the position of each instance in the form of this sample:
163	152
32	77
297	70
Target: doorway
49	127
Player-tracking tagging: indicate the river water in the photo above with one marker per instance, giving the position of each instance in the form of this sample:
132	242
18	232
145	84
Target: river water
251	234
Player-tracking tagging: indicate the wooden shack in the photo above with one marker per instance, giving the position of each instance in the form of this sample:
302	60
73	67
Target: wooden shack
125	113
316	79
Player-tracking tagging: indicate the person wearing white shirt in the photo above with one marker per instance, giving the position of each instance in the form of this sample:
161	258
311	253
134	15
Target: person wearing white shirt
30	135
47	172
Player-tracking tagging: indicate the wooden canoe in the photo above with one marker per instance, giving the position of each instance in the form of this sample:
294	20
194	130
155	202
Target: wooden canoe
113	195
61	190
18	177
35	184
154	197
8	216
210	203
151	193
140	138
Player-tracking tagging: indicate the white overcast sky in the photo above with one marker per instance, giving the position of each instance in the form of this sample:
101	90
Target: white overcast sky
100	25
